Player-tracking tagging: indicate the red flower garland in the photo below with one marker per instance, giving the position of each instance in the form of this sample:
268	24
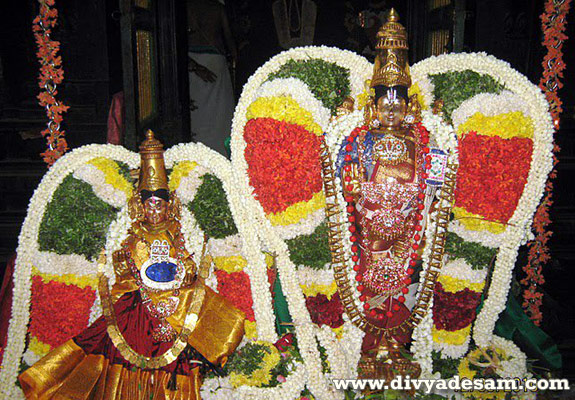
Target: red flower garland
236	288
51	75
58	311
492	175
324	311
283	163
454	311
553	24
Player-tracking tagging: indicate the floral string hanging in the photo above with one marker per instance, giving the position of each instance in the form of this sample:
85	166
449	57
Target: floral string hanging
553	23
51	75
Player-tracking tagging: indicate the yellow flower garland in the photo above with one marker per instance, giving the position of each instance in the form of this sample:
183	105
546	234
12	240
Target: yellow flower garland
454	285
112	174
230	264
464	371
181	170
283	108
315	289
250	329
454	338
298	211
474	222
505	126
37	347
68	279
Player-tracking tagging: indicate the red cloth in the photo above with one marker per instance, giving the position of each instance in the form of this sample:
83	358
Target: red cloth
135	323
6	302
115	133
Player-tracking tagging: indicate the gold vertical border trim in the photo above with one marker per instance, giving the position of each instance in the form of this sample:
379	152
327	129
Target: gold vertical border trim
144	62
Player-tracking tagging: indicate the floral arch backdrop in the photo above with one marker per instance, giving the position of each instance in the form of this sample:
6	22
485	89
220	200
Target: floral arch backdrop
269	201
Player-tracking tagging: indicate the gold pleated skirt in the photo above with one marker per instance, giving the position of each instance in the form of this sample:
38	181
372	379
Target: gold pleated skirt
68	372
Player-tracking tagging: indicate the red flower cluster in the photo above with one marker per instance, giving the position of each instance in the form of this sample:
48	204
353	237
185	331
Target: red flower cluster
492	175
283	163
454	311
51	75
553	24
58	311
324	311
236	288
284	342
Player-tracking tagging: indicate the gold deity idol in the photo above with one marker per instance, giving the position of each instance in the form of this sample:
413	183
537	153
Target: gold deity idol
162	327
383	182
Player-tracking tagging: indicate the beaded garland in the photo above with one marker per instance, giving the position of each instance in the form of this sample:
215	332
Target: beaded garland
387	276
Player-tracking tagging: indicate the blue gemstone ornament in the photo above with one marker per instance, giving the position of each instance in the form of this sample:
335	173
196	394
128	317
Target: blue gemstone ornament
162	272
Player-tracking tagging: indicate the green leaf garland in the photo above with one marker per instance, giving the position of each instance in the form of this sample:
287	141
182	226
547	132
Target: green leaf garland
212	210
477	255
457	86
327	81
311	250
75	221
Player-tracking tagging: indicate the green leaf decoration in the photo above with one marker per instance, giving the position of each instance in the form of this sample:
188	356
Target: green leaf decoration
477	255
76	220
212	210
447	367
457	86
311	250
248	359
328	82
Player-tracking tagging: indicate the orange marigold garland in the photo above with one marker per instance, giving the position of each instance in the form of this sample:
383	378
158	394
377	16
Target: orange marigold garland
553	22
51	75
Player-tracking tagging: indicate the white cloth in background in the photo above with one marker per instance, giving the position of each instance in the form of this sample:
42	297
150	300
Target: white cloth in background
211	122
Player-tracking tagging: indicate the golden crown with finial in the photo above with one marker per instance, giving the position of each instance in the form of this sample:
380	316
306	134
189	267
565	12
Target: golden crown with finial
391	67
152	169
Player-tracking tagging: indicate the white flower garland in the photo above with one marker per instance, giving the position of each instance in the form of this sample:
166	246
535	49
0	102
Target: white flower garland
484	238
541	165
515	365
453	351
51	263
312	276
217	389
305	226
117	233
300	92
422	344
28	248
341	127
227	247
489	104
96	178
461	269
190	183
286	269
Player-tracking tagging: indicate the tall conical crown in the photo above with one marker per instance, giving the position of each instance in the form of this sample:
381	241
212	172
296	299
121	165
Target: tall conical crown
152	167
391	67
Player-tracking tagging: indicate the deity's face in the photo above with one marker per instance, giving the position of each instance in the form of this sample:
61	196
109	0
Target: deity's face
155	210
391	110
